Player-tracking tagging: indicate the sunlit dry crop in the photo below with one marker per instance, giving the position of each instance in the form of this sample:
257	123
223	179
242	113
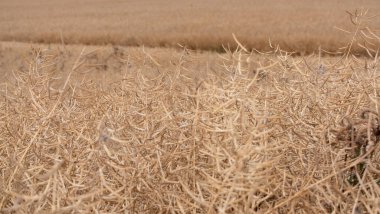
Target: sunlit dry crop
138	130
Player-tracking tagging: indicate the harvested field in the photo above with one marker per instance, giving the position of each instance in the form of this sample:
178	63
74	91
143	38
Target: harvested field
296	25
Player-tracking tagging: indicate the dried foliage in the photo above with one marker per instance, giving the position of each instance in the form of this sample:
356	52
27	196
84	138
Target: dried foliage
295	135
274	139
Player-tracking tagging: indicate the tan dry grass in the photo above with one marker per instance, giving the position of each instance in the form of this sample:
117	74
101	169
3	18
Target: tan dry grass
294	135
297	25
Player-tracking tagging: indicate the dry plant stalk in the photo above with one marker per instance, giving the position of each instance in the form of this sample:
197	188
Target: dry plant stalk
264	140
276	139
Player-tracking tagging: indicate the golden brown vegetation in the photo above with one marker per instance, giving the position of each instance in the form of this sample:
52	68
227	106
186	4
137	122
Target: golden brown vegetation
123	130
269	133
296	25
103	63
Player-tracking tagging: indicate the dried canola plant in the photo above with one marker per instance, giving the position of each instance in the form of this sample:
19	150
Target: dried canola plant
292	135
273	139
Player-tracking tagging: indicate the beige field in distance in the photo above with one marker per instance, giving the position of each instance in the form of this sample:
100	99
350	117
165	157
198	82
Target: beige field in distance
297	25
126	106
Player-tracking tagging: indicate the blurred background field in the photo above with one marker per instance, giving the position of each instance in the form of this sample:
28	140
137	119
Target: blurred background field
297	25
